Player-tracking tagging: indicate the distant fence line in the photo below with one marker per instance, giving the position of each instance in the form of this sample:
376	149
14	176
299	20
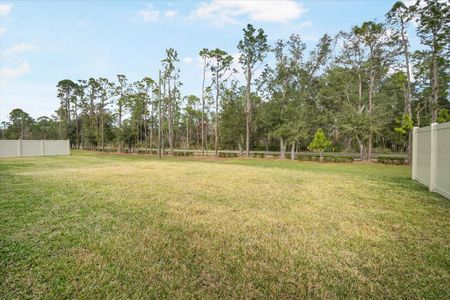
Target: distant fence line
431	157
19	148
210	152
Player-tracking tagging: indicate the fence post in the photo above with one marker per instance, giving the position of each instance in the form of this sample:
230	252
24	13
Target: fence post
433	157
19	147
42	148
414	154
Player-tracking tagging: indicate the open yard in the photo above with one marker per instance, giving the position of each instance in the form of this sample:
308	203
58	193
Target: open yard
115	226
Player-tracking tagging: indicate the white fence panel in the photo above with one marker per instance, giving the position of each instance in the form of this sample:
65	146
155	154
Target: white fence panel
11	148
423	147
431	157
31	148
60	147
443	159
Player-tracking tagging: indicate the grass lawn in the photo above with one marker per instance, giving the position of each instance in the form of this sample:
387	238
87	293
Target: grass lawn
115	226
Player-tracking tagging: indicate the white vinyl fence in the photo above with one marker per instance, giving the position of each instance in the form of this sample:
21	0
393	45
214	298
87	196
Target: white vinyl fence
431	157
11	148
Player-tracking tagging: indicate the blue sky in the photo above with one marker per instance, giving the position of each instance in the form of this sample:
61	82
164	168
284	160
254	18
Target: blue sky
42	42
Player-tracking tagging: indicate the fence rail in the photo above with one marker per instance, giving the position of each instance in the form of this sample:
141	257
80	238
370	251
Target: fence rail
210	152
19	148
431	157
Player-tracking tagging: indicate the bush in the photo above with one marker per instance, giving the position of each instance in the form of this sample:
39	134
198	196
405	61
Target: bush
182	153
335	159
224	154
308	157
392	160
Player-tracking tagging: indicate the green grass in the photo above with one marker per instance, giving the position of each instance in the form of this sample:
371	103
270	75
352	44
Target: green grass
115	226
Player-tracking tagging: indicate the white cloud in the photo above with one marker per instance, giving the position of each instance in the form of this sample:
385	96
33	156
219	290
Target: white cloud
188	60
304	25
5	9
18	48
149	14
170	13
223	12
2	30
14	72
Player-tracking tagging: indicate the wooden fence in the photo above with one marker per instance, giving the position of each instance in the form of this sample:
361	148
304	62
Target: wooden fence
431	157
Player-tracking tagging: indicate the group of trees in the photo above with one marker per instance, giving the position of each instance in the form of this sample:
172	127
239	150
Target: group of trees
364	88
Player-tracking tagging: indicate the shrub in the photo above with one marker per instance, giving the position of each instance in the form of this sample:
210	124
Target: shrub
391	160
308	157
224	154
335	159
319	143
182	153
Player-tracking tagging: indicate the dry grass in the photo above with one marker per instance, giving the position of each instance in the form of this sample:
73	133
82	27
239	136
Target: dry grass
106	226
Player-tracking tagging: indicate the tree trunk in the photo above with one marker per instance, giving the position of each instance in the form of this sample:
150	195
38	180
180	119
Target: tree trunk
203	107
159	116
145	135
248	109
282	149
362	155
293	151
103	128
76	124
408	109
434	89
151	139
241	150
266	144
170	117
216	127
187	133
371	105
119	148
359	91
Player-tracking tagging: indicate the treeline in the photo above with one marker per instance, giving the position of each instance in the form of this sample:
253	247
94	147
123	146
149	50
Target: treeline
364	87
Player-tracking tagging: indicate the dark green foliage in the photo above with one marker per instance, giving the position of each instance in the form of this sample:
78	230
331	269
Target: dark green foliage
335	159
229	154
392	160
183	153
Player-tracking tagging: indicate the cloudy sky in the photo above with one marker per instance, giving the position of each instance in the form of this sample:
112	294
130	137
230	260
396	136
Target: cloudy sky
42	42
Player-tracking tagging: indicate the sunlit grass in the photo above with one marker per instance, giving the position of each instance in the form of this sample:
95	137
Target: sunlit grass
111	226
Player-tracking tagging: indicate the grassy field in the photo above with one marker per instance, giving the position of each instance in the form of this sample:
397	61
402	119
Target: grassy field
115	226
